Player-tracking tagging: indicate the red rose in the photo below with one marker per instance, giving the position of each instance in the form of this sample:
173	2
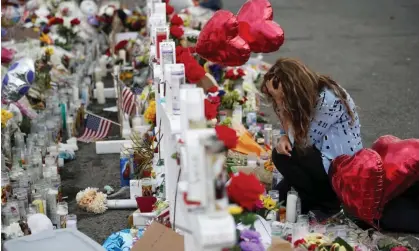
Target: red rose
176	20
121	45
227	135
229	74
108	52
245	190
240	72
299	242
211	109
169	9
312	247
75	21
176	31
213	89
194	72
55	20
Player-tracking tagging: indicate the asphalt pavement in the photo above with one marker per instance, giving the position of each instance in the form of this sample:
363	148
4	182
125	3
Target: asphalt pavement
369	47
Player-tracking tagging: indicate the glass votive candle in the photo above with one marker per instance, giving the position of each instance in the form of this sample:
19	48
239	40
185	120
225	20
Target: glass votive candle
276	136
274	194
303	218
300	230
71	221
252	159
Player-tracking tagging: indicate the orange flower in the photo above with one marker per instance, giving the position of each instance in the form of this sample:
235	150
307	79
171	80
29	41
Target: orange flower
44	38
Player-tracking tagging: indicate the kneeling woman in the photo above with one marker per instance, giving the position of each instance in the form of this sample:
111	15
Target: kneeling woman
319	123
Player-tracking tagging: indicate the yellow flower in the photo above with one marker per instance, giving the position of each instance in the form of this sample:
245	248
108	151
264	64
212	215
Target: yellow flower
269	203
131	19
186	21
36	29
235	210
49	51
126	75
5	116
150	112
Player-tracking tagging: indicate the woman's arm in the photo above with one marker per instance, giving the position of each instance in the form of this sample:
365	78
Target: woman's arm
329	110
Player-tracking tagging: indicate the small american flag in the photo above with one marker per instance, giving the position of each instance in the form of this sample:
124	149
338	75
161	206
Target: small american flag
128	101
96	128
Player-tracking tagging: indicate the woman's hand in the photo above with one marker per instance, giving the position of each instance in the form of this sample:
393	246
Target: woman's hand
284	146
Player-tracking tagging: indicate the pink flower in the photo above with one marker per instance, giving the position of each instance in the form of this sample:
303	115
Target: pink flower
399	248
259	204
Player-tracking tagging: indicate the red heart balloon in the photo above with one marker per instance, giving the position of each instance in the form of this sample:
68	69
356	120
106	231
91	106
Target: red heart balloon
257	28
219	41
400	163
358	182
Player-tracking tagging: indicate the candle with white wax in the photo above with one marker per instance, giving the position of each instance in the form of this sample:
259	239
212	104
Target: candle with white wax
122	54
291	209
71	221
98	74
103	62
76	93
126	129
100	93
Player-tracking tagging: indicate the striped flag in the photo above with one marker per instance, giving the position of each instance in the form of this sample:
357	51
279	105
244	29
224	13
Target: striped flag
128	100
96	128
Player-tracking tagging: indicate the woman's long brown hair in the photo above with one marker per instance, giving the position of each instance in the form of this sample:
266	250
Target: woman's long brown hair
300	89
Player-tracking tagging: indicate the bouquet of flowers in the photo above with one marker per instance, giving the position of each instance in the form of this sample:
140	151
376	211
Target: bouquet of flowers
318	242
267	205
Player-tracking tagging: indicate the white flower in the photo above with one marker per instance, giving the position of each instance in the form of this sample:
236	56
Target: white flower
40	20
54	36
28	25
67	22
62	40
76	29
109	10
42	11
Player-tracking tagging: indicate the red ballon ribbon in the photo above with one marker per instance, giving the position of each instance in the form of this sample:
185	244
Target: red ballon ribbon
400	163
228	40
359	183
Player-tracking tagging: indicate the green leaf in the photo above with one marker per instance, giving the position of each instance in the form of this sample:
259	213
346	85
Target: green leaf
342	242
249	219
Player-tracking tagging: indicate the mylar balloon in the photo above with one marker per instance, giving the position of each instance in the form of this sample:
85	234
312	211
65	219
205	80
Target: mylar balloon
18	79
257	28
358	182
89	8
400	163
219	41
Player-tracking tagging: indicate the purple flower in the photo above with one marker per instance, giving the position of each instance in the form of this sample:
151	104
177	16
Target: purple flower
251	246
250	235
